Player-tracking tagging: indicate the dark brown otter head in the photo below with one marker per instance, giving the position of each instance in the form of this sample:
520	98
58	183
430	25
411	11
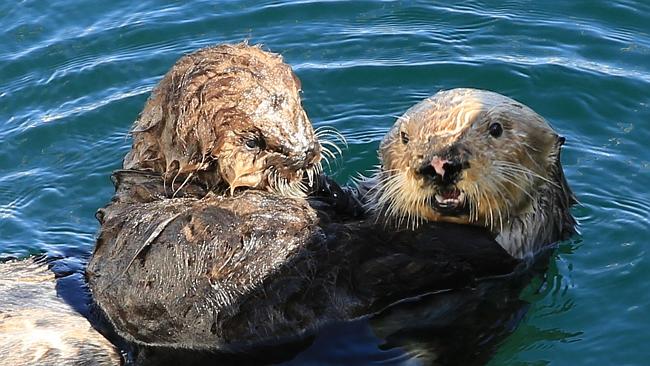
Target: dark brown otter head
228	116
474	157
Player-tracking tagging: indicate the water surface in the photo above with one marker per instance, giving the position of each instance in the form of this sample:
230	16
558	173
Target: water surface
75	74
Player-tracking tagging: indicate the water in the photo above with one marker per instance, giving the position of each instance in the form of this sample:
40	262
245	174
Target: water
74	75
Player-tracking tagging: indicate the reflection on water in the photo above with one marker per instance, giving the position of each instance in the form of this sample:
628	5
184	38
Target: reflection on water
76	74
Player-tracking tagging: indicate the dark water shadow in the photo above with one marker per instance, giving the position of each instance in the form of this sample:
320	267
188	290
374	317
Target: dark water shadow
459	327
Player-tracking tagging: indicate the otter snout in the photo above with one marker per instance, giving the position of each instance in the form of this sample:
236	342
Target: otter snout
312	156
443	171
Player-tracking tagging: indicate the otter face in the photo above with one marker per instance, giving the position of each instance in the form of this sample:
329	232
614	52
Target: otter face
229	117
270	150
466	156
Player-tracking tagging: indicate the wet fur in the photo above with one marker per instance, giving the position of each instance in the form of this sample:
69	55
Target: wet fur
235	273
514	184
211	103
39	328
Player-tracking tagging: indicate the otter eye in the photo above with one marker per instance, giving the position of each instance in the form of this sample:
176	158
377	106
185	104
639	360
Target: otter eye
405	137
253	143
496	130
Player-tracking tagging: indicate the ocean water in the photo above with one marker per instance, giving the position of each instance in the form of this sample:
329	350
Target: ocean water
75	74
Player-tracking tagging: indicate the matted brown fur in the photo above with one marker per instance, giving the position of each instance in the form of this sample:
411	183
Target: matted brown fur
511	182
212	272
39	328
227	116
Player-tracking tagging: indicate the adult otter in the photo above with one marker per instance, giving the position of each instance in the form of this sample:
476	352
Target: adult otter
228	116
474	157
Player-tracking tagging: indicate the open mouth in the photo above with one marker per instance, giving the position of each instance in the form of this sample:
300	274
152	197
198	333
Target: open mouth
450	201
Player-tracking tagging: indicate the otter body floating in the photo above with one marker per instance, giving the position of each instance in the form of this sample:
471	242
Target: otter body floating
200	270
209	272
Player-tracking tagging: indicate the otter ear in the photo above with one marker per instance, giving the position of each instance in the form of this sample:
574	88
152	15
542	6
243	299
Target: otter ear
561	140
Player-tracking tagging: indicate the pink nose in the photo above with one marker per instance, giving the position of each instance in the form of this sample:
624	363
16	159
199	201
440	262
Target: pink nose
438	164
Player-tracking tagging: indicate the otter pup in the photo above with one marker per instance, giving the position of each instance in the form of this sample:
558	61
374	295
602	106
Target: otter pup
474	157
228	116
224	118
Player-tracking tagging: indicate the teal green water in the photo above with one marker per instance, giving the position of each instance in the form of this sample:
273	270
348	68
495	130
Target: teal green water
75	74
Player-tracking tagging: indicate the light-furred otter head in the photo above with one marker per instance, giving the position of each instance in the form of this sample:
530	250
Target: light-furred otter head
228	116
476	157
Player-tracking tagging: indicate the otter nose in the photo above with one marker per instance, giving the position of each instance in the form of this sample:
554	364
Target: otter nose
443	171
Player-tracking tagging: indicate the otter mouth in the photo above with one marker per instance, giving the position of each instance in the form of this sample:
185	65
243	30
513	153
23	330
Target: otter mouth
450	201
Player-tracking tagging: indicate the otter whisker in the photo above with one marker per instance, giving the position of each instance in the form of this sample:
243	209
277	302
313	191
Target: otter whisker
377	183
178	172
327	153
330	131
422	204
288	188
382	192
310	177
489	204
189	176
327	161
331	144
284	184
492	211
381	182
522	169
502	199
273	180
493	189
511	178
318	168
398	205
334	138
384	202
333	141
300	187
383	198
470	199
477	199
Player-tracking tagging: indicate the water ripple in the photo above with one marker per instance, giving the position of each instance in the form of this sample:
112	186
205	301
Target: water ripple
76	74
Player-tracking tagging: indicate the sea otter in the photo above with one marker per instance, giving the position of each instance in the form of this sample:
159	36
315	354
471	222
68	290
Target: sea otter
475	157
228	116
210	272
223	119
